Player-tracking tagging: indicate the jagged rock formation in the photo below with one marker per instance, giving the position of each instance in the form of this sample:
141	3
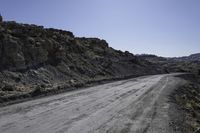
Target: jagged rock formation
32	56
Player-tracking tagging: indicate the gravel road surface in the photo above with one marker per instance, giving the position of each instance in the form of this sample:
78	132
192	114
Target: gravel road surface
138	105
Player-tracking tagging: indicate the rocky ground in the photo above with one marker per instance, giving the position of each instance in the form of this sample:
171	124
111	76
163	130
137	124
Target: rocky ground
187	97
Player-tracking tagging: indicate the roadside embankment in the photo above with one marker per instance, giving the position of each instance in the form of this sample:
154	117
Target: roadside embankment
187	97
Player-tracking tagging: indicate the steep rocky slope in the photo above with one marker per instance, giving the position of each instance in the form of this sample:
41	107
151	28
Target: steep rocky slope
35	60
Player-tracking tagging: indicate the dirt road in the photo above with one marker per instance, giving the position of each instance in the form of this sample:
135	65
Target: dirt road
138	105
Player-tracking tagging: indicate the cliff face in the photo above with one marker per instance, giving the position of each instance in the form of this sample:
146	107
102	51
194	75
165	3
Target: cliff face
32	56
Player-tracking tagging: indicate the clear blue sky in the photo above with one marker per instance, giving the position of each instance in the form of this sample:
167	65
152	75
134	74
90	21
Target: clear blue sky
161	27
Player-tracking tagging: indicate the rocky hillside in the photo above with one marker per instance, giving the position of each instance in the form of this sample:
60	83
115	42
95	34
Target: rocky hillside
180	64
193	57
35	60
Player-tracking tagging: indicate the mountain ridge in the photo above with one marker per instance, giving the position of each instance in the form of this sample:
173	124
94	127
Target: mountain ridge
192	57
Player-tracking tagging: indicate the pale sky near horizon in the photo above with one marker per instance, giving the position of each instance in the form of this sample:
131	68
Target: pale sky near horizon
162	27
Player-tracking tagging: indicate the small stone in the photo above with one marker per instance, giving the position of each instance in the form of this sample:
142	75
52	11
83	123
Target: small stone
72	81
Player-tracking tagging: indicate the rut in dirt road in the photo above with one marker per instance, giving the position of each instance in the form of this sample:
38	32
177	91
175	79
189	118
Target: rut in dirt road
138	105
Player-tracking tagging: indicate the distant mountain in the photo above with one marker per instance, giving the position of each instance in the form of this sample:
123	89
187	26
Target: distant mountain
152	58
177	64
192	57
